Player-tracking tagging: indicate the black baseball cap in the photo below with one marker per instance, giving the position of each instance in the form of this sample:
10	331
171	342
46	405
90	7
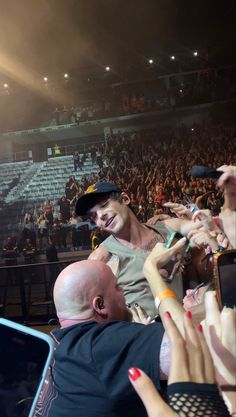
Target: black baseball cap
92	194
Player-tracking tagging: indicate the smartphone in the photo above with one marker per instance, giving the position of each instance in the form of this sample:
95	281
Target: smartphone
25	356
173	238
225	277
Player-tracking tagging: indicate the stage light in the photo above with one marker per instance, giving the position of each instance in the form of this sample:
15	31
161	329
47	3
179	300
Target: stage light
107	68
150	61
172	57
192	129
45	79
66	75
180	90
195	53
5	85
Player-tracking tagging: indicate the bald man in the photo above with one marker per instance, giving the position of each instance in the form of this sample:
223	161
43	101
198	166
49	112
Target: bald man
96	345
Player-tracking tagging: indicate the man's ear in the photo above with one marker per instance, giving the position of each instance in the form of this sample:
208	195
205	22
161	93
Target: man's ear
125	198
98	305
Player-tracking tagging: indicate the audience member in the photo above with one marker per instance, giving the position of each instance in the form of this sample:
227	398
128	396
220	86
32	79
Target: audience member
43	231
77	161
10	252
71	187
130	241
29	228
60	231
29	252
64	208
75	231
48	211
57	150
96	333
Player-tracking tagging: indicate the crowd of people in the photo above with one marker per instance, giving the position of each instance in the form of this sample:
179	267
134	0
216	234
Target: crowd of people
123	310
203	86
152	167
127	278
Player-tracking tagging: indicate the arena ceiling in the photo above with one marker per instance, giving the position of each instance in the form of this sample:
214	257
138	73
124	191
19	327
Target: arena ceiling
51	37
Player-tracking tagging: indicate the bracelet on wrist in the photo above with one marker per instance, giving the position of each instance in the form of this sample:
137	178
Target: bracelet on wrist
162	296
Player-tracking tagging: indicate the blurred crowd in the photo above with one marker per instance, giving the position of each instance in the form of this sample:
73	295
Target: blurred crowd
152	166
104	311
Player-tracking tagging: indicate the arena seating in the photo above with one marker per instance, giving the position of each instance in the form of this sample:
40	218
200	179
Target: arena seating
25	185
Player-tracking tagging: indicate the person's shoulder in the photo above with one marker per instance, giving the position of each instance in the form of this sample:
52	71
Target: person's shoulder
132	329
100	254
128	336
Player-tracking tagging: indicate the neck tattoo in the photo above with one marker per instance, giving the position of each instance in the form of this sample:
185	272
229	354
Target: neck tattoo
147	247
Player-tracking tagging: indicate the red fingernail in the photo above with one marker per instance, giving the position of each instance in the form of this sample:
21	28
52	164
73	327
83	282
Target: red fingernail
188	314
134	373
168	315
199	327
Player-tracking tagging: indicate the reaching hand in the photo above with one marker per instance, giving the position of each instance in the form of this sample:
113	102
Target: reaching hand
190	362
210	226
139	315
158	218
228	178
220	333
203	238
160	255
179	210
150	397
227	182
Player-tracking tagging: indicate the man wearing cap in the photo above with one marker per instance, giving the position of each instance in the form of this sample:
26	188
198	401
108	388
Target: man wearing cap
126	248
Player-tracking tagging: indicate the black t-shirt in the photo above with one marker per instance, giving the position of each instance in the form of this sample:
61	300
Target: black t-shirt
90	372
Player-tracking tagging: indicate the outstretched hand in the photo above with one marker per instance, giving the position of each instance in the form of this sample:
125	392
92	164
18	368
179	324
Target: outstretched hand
179	210
160	255
219	330
190	362
139	315
228	179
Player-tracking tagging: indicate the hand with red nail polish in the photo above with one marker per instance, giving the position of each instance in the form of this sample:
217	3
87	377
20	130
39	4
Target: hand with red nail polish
190	363
134	373
168	315
219	329
189	314
146	390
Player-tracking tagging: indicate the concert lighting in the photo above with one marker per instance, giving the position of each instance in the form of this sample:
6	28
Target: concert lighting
195	53
172	57
150	61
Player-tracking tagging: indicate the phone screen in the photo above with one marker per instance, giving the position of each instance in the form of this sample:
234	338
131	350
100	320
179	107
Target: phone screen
22	361
227	281
172	239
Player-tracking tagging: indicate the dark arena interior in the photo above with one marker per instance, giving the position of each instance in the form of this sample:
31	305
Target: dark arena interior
105	108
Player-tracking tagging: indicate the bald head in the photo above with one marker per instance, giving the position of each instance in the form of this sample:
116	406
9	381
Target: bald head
79	285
